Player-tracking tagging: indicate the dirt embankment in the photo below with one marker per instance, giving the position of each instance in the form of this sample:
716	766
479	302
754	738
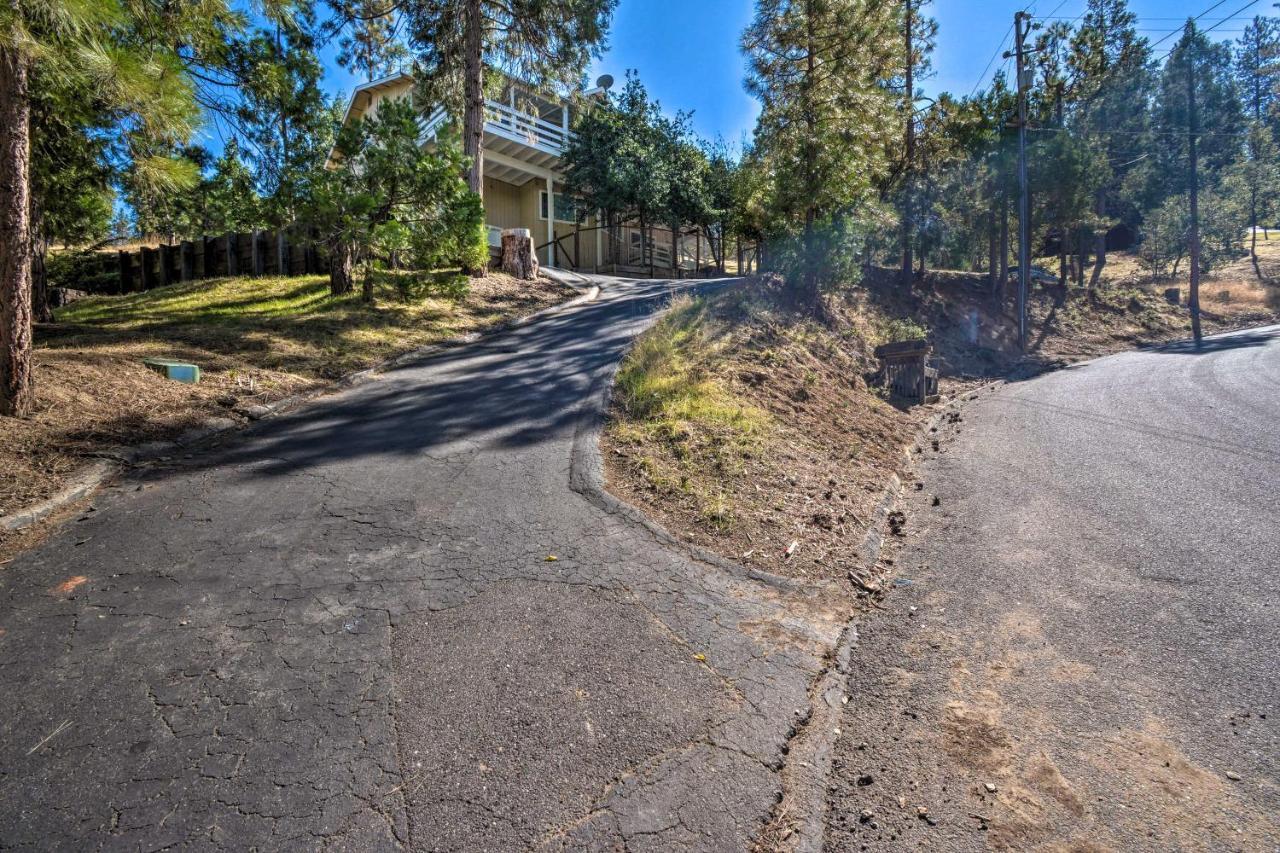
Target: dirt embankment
754	430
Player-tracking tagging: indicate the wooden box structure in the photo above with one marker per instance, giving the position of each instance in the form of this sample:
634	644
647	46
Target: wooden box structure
906	371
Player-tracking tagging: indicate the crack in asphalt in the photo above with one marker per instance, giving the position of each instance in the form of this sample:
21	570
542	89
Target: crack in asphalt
342	629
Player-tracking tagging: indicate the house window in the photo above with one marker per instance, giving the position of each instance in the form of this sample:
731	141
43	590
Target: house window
566	210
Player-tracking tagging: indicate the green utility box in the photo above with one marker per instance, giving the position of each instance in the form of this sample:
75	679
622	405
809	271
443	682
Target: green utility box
178	371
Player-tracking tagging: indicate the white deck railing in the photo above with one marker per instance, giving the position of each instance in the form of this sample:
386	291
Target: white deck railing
503	120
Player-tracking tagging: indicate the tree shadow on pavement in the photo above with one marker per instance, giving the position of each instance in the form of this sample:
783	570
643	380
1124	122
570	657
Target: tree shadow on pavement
516	389
1220	343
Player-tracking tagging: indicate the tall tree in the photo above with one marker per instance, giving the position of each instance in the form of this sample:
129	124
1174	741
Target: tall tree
138	56
285	118
919	32
1110	84
820	69
1258	71
462	45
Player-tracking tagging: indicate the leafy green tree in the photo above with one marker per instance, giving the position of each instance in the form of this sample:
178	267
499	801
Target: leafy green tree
71	195
1220	119
229	197
543	43
820	70
624	159
388	194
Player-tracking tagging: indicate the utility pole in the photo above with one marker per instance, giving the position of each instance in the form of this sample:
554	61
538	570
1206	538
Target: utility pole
1193	299
1021	22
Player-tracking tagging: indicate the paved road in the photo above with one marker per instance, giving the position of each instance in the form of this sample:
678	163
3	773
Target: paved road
1089	621
342	630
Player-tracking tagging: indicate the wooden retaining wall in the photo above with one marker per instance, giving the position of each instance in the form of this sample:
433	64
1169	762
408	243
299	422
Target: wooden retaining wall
258	253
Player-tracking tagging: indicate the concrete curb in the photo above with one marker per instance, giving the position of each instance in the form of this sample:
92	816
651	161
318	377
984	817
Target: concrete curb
91	476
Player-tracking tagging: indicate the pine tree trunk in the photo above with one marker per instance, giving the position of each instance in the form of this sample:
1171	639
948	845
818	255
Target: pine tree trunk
40	310
993	248
1101	245
473	93
17	395
341	267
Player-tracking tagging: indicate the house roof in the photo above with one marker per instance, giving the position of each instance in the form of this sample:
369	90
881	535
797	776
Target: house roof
363	93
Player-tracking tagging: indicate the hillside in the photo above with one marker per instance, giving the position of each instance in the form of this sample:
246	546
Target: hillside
755	431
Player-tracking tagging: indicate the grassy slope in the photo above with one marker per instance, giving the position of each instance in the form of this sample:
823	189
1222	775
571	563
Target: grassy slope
255	340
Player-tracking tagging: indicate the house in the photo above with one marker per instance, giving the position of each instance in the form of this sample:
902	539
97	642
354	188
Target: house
525	135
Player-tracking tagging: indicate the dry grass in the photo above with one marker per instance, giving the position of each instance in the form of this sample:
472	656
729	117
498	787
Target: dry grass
256	340
745	426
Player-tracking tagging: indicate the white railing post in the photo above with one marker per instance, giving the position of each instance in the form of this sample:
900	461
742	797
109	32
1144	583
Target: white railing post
551	225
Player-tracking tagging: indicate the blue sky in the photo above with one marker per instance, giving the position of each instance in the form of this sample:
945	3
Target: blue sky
686	51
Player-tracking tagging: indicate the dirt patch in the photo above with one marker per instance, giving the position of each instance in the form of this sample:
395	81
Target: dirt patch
256	341
750	429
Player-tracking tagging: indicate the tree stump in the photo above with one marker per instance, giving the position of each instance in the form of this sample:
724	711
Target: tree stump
518	258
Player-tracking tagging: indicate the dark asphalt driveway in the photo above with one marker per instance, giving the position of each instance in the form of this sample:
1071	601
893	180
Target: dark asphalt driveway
342	630
1083	648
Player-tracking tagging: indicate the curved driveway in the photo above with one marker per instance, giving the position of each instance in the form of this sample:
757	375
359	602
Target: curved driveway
1088	623
342	629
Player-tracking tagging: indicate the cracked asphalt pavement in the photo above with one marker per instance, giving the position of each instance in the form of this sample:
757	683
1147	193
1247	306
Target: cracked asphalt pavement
341	629
1082	651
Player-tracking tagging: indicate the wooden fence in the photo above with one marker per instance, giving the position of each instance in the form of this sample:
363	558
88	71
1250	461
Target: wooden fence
257	253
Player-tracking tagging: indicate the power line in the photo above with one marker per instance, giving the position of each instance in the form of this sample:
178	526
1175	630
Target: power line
1196	18
990	62
1207	29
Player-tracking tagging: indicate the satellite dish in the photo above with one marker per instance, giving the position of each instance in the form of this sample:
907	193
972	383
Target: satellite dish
605	82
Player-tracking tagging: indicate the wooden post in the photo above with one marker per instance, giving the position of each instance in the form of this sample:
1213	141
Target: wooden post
148	275
551	224
518	257
126	272
233	253
258	263
738	242
166	264
186	261
697	253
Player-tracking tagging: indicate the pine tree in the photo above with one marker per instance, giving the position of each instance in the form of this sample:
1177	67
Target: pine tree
137	57
919	33
1109	84
1258	72
820	69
